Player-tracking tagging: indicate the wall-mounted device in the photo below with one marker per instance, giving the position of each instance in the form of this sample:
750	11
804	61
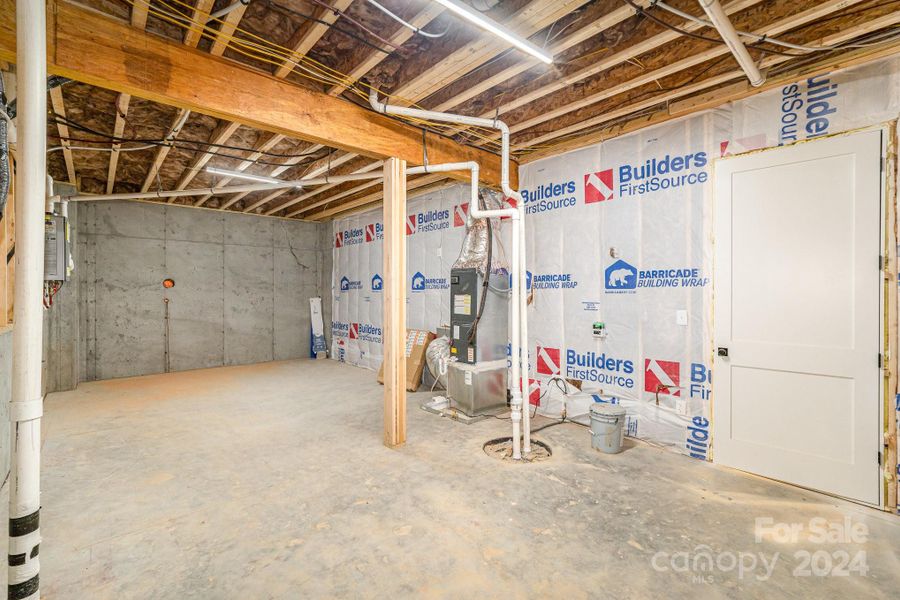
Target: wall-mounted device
56	248
599	330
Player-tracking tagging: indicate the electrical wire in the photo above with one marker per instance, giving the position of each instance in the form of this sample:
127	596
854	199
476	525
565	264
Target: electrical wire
355	22
406	24
122	140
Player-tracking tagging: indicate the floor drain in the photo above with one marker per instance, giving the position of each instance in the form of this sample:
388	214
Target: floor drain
501	448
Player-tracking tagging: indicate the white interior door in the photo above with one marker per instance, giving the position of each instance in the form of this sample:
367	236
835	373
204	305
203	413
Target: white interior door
798	308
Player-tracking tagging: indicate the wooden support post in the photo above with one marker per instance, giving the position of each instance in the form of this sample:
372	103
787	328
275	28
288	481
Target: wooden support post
394	302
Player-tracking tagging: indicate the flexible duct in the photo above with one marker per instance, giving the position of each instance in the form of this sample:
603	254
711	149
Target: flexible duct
437	355
474	252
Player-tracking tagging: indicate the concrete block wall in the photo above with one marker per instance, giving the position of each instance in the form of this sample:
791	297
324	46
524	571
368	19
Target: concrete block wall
241	295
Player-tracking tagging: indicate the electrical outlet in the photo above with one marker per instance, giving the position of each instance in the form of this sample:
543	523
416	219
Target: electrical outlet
681	317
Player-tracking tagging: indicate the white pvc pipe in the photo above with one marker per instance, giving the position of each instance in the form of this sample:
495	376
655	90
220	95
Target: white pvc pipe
26	403
517	271
726	29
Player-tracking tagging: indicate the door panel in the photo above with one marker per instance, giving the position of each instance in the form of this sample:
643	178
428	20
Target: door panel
798	306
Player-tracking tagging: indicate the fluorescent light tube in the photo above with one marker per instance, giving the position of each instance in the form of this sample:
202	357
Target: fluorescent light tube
479	20
247	176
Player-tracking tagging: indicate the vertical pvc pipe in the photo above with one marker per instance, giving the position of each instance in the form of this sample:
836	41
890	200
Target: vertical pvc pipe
26	405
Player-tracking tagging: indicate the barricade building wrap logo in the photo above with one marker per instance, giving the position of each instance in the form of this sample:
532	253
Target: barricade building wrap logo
374	231
420	283
807	113
429	220
598	187
623	277
550	281
549	196
377	283
620	277
348	284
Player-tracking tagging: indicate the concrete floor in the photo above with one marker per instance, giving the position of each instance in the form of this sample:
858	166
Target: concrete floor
270	481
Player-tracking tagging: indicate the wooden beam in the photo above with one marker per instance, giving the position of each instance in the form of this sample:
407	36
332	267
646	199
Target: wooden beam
394	302
306	37
119	57
200	16
374	197
139	11
226	30
122	103
422	18
59	107
722	96
220	135
163	151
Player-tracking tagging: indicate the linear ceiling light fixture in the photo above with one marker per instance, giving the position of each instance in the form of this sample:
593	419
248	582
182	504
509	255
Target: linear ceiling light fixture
247	176
470	14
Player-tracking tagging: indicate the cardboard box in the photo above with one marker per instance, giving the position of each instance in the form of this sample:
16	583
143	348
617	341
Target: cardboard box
417	342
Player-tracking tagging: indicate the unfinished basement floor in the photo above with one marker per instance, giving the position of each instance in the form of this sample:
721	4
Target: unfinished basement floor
271	481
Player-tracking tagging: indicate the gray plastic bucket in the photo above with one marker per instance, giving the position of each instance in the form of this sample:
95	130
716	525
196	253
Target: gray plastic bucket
607	427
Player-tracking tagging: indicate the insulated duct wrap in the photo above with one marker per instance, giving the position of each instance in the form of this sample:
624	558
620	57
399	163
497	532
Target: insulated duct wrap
474	252
437	355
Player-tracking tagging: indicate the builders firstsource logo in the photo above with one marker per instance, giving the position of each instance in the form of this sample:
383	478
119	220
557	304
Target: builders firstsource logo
460	214
549	196
420	283
664	377
807	110
598	187
590	366
429	220
364	332
348	284
374	232
622	277
666	172
349	237
340	329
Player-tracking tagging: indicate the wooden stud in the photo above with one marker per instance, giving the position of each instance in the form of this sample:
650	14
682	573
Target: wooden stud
318	168
227	29
306	37
163	151
394	302
59	107
7	252
201	14
319	190
122	103
891	322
